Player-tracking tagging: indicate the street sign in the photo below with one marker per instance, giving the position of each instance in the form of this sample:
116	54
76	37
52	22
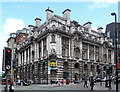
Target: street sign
118	74
48	69
8	67
118	70
118	65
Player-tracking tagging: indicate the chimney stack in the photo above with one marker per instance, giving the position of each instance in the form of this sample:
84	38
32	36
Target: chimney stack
100	29
30	29
66	14
49	13
87	24
38	20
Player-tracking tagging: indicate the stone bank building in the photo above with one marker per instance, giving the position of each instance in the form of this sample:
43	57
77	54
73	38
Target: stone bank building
61	48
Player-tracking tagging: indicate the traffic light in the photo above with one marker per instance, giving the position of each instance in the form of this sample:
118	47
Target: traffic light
46	62
99	71
7	58
110	69
14	63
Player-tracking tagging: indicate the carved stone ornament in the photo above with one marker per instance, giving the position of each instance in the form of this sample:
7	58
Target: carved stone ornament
53	51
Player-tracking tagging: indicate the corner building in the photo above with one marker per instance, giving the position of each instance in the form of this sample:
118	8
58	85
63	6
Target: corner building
60	49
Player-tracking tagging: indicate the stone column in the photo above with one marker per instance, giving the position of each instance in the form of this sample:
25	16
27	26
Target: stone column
22	58
19	59
60	44
28	55
37	51
42	48
88	52
69	47
47	44
25	57
107	55
31	54
94	53
80	50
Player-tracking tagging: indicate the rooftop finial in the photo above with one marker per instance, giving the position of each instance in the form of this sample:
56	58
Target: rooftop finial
49	9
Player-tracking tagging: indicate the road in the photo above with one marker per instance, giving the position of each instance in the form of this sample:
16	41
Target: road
54	87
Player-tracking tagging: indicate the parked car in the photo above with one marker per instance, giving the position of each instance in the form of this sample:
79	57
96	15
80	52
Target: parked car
76	81
24	83
103	80
98	79
118	80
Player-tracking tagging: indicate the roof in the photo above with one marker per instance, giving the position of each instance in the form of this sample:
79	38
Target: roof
87	23
49	10
66	10
38	19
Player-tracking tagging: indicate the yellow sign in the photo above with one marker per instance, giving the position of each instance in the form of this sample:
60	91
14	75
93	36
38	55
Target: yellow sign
52	63
18	76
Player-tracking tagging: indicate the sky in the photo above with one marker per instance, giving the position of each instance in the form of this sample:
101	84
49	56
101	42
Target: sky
17	14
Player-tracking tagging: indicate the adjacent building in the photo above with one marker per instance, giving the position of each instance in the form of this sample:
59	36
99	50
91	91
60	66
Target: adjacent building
61	48
110	33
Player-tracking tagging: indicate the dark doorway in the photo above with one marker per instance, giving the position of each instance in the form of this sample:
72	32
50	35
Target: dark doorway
76	76
65	71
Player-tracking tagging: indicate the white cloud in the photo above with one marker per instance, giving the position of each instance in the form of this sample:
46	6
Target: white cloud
11	25
101	3
19	6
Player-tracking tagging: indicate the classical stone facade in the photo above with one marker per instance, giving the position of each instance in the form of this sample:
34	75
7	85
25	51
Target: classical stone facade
60	49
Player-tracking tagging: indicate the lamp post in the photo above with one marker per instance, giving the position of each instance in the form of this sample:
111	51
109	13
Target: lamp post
46	52
114	14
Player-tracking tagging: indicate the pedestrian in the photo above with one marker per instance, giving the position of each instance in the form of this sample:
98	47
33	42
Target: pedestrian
85	82
11	88
92	83
59	82
51	81
62	82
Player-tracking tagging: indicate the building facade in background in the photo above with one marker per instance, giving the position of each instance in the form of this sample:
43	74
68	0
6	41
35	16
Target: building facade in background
63	49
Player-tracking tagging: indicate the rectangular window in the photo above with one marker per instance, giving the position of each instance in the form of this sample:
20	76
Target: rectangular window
108	34
63	52
53	38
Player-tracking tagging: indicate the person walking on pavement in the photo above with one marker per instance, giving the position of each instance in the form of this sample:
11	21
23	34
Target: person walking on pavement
11	88
85	82
92	84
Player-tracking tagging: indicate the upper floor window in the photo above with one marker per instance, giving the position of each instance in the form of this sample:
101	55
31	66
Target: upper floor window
63	52
108	34
53	38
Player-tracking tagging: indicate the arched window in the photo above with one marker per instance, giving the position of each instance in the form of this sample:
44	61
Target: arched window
76	65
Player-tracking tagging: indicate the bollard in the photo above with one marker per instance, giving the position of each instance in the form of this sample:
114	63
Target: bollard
21	83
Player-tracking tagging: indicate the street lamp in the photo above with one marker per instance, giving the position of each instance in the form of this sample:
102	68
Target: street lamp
114	14
46	52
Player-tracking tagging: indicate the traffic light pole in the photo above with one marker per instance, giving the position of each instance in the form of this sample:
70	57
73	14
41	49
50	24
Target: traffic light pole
116	53
47	69
6	81
114	14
